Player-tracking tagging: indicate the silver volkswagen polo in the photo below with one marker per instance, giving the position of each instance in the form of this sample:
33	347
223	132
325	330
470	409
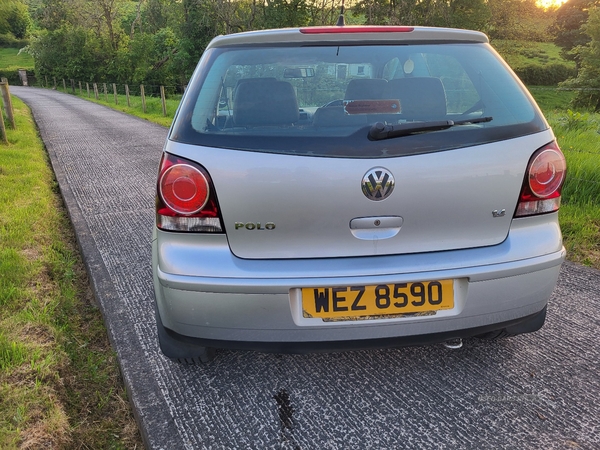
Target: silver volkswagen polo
333	188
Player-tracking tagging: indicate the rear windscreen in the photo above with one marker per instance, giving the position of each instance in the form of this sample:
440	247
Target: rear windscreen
325	100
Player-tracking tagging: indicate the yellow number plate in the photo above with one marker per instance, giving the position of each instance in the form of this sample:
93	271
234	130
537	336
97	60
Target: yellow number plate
359	302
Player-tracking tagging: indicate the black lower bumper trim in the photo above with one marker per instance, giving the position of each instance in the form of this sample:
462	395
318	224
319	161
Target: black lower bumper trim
518	326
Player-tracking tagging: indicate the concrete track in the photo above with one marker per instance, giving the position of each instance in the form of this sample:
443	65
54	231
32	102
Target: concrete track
534	391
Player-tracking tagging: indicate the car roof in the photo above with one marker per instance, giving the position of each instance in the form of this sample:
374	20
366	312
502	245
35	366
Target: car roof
349	34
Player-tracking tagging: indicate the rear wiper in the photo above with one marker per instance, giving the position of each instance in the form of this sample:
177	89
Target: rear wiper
380	131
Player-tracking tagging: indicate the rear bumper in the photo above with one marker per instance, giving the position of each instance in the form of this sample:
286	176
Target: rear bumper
175	343
257	304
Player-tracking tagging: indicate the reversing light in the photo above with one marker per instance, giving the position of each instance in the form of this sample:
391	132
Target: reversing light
356	29
543	182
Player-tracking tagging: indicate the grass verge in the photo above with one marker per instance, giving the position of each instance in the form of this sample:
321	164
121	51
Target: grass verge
60	385
578	135
153	112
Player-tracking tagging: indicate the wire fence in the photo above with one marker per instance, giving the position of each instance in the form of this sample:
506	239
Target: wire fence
132	95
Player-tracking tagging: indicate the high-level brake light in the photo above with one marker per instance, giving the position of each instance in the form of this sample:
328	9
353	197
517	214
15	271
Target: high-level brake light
356	29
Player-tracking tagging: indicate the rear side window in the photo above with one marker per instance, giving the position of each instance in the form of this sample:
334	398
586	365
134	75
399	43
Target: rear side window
323	100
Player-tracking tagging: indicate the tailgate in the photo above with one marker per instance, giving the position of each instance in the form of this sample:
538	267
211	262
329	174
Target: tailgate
285	206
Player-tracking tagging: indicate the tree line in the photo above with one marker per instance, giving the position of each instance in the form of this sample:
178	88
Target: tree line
159	42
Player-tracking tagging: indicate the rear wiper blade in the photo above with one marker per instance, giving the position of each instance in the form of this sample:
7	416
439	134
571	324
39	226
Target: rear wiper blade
380	131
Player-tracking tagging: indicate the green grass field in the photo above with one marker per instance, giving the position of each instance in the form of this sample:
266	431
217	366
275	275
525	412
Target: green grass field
552	99
10	58
11	61
520	53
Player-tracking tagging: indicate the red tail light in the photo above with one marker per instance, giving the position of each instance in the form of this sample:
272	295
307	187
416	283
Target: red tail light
185	199
543	182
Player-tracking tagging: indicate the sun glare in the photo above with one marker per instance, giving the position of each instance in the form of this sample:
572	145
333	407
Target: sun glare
550	3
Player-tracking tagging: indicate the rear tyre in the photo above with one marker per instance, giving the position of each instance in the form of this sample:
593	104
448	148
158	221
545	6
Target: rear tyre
178	350
531	324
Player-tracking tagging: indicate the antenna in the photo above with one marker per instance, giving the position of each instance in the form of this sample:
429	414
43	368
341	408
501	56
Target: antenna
341	22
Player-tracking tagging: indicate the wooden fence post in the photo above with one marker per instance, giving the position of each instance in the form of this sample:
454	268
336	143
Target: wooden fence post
96	90
87	86
8	107
23	77
105	93
3	138
46	78
115	92
4	88
64	86
143	98
79	87
127	95
163	100
73	86
54	87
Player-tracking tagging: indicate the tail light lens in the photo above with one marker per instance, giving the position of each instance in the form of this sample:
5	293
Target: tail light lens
543	182
186	199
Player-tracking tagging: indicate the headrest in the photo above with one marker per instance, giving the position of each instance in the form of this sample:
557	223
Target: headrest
264	101
420	97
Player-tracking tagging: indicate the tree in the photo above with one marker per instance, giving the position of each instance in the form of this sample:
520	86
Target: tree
284	13
588	77
323	12
161	41
198	26
515	19
395	12
467	14
69	52
108	12
567	28
14	19
52	14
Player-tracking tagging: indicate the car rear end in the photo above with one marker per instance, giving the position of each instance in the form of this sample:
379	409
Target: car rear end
350	187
